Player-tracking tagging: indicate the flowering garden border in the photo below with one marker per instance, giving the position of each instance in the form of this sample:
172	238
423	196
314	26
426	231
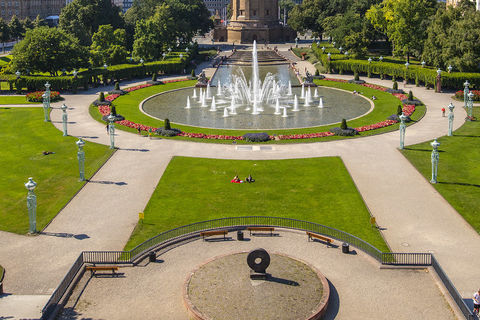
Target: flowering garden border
408	110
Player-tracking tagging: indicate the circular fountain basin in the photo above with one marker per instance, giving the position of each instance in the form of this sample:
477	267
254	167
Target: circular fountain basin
222	289
337	105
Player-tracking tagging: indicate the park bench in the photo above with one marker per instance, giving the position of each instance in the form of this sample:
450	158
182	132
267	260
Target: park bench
205	234
94	269
317	236
262	229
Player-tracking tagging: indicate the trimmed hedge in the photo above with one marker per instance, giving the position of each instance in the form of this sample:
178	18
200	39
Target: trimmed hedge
92	77
415	73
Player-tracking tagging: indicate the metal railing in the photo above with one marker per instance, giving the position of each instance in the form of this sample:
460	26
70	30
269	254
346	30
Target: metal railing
167	238
452	290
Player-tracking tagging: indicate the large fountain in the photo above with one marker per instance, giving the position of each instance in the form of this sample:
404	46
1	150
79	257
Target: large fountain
267	99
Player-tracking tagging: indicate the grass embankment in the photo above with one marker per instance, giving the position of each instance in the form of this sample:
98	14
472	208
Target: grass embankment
458	169
195	189
15	100
23	137
385	105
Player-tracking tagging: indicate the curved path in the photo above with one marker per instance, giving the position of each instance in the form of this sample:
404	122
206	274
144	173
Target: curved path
103	214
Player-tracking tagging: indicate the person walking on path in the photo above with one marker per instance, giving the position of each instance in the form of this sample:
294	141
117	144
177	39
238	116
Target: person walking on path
443	112
476	302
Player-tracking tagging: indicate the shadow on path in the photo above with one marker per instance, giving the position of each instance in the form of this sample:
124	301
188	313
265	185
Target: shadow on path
333	303
121	183
81	236
139	150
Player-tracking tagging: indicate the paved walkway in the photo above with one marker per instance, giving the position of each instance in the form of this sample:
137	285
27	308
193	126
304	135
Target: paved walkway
101	217
359	288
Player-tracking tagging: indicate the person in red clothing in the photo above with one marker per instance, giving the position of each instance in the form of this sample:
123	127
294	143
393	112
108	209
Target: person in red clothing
236	180
443	112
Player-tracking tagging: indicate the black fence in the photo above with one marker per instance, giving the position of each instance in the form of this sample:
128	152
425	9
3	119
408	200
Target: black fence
452	290
193	230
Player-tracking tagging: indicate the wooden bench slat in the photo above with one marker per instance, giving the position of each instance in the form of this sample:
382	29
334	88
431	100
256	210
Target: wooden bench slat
204	234
261	228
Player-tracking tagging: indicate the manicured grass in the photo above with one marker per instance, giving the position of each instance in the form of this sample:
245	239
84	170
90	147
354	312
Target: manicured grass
318	190
15	100
385	105
23	137
458	168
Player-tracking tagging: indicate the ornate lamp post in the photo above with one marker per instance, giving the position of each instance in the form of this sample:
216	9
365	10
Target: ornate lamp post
435	157
340	49
450	119
438	87
449	68
402	130
470	96
323	49
369	60
346	53
466	90
18	74
81	159
47	91
75	73
423	64
164	55
105	66
46	106
380	59
111	130
142	61
64	119
31	205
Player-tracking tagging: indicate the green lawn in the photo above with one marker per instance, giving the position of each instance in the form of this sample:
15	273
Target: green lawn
458	169
386	105
23	137
15	100
318	190
5	60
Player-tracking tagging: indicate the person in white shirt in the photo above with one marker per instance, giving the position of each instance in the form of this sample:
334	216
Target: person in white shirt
476	301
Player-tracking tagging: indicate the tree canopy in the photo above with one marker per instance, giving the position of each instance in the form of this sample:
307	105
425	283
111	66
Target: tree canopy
83	17
453	39
108	46
49	50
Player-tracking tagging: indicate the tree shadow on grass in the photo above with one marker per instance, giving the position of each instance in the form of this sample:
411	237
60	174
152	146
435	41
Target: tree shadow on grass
460	184
466	136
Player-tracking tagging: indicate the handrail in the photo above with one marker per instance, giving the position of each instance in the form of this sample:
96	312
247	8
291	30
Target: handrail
182	233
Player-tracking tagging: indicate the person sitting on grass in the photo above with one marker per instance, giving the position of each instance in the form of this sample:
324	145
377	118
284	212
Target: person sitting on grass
249	179
236	180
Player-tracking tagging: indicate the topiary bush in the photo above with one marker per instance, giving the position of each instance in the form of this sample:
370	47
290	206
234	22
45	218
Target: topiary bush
172	132
154	76
395	85
317	73
256	137
101	97
193	73
399	110
356	77
117	85
344	126
410	95
166	125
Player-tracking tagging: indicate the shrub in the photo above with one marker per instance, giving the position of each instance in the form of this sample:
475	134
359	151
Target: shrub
256	137
410	95
399	110
356	76
172	132
37	96
317	73
395	85
167	124
101	97
394	79
344	126
154	76
193	73
117	85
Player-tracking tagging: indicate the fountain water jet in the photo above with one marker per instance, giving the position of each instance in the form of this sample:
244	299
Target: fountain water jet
219	88
284	112
209	94
315	94
289	88
303	92
194	93
225	112
213	106
320	103
295	104
277	107
188	103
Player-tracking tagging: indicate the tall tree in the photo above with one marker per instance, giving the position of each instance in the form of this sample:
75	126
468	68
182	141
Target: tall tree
16	28
27	24
47	49
38	22
83	17
453	39
4	33
108	46
405	23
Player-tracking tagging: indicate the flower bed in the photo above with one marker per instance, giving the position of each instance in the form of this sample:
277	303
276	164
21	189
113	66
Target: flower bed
476	95
37	96
408	110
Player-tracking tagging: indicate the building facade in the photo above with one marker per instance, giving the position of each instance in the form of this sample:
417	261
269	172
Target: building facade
30	8
123	4
455	2
215	6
